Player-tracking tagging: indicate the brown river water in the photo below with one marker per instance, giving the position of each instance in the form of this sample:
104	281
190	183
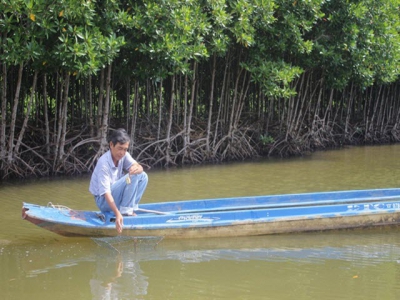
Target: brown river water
352	264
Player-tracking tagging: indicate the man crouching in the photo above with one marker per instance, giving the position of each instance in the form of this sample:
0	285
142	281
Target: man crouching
118	181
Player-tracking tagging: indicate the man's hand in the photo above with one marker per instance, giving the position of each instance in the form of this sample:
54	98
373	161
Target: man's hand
119	222
135	169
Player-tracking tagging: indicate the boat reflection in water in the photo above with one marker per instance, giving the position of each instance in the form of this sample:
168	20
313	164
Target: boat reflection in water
114	269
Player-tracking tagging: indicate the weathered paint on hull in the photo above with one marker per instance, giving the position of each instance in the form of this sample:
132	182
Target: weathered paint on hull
239	228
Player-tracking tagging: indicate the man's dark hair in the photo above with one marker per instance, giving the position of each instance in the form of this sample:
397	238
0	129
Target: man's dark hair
118	136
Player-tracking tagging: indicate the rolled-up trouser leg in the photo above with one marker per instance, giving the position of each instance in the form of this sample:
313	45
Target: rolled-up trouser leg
133	192
126	194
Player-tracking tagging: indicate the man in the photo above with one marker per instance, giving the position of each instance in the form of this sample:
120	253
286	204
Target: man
118	181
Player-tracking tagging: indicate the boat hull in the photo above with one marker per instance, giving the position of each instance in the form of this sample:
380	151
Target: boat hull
260	215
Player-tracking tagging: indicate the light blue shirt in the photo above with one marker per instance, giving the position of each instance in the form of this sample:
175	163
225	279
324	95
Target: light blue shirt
106	173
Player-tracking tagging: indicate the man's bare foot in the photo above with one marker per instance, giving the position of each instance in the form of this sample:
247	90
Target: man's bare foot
132	214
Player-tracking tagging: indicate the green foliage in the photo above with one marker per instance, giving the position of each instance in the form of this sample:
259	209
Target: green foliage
69	35
23	40
266	139
274	77
348	41
281	44
358	41
171	32
220	20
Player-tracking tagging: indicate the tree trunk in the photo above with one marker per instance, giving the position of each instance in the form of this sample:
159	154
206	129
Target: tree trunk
128	102
185	112
242	98
134	115
46	114
14	114
375	110
346	128
106	111
90	99
233	107
192	99
210	108
3	114
28	111
100	104
221	104
58	110
296	126
63	118
328	109
171	111
160	110
314	126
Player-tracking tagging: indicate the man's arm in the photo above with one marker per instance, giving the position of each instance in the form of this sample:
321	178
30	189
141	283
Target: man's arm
119	220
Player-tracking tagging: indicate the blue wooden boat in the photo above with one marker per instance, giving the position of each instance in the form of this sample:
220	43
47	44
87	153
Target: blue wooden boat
243	216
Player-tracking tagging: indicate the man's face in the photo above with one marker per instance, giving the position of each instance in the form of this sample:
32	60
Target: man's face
118	150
